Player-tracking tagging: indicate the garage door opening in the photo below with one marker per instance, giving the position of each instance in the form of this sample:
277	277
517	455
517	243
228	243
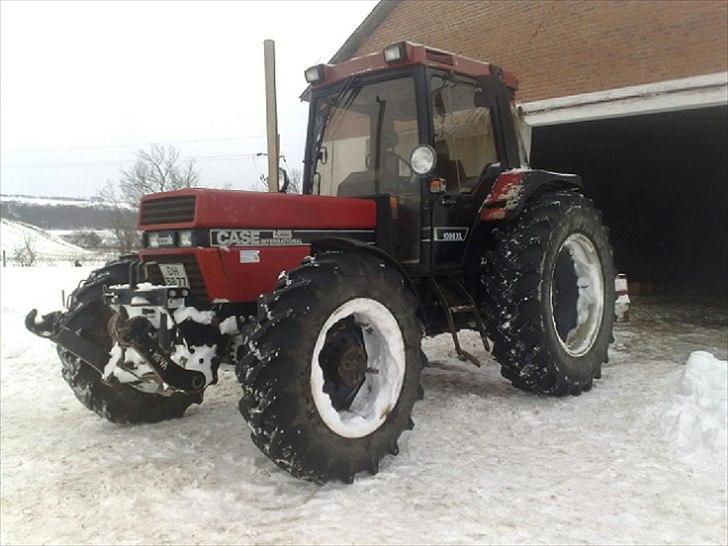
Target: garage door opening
660	180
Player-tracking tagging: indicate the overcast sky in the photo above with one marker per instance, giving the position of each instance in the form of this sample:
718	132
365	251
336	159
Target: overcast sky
82	85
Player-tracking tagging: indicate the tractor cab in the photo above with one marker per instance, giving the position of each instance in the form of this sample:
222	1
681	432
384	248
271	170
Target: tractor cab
424	132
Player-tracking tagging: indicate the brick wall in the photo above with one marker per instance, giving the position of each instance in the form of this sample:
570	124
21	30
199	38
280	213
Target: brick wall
566	47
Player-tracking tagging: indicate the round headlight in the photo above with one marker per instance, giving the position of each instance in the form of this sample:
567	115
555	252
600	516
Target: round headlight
423	159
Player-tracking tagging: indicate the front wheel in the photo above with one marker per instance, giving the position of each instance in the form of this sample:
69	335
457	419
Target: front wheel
547	284
114	401
332	367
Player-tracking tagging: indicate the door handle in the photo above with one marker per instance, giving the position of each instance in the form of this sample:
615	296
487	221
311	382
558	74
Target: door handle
449	200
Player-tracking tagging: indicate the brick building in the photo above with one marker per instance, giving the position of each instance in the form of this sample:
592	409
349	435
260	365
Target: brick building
630	94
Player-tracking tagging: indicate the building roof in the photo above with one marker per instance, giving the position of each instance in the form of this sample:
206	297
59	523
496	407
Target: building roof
364	30
361	33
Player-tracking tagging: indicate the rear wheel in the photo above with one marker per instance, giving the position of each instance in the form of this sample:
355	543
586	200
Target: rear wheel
332	367
547	284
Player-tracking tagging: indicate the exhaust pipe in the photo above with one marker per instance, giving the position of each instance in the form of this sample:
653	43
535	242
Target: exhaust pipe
271	114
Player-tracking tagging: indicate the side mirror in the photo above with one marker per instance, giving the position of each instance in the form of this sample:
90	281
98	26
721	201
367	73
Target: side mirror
423	159
323	155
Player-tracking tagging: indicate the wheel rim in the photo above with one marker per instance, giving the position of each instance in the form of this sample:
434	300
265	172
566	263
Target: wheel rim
355	385
577	294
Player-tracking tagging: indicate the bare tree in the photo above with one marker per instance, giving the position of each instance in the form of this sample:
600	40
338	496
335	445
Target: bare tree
120	219
294	181
25	254
158	169
293	176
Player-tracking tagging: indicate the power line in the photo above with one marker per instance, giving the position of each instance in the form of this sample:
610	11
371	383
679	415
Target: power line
117	162
135	144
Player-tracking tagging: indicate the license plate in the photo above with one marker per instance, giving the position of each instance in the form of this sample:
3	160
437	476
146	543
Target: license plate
175	275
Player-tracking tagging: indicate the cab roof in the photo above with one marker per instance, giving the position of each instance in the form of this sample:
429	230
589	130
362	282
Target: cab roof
415	54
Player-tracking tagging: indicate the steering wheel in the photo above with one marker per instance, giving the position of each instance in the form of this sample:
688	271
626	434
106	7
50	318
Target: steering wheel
368	160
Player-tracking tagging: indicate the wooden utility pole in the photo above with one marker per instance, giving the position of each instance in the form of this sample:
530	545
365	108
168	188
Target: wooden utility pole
271	114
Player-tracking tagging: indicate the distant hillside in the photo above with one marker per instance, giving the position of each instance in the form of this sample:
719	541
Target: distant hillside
49	247
58	212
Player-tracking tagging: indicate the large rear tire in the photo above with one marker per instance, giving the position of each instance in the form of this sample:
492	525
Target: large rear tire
332	367
114	401
547	285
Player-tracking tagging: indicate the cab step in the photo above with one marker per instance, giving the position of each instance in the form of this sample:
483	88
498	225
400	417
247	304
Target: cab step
460	302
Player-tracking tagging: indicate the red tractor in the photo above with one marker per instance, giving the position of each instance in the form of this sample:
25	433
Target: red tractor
419	216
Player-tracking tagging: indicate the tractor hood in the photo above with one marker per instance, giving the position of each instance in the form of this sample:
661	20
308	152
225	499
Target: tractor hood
208	208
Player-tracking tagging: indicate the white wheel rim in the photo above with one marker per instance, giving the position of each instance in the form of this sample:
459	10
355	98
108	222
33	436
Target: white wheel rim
380	391
590	301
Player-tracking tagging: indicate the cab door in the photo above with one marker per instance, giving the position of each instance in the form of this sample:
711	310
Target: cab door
464	137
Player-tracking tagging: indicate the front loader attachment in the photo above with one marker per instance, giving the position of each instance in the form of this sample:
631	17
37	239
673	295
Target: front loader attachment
51	326
138	333
151	341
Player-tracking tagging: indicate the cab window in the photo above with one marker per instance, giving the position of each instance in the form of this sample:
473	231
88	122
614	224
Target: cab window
364	135
464	138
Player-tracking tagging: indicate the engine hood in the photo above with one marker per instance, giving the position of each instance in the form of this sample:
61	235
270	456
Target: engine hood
209	208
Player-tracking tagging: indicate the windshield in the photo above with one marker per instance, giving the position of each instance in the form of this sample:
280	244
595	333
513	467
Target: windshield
363	138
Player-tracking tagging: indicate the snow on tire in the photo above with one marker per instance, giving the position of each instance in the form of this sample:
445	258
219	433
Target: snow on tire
547	283
110	399
333	367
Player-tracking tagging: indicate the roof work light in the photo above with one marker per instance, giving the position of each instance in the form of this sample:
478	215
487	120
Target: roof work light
395	53
315	74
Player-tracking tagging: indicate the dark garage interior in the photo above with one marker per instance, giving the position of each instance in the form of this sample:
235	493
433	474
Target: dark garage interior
660	180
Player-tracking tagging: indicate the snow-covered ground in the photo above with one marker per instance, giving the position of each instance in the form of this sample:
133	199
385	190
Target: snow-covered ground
54	201
49	247
485	463
696	423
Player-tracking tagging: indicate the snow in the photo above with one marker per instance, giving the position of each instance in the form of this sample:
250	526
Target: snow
139	368
190	313
696	423
55	201
621	307
229	326
485	463
386	354
693	92
196	357
108	239
49	247
589	304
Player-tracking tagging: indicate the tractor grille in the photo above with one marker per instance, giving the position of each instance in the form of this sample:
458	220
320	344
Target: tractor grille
197	285
168	210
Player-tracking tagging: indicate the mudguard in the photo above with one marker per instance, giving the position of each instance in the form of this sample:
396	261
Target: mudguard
512	189
343	244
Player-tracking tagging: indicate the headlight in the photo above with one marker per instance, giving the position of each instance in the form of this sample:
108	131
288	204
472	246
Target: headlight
185	238
159	239
423	159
